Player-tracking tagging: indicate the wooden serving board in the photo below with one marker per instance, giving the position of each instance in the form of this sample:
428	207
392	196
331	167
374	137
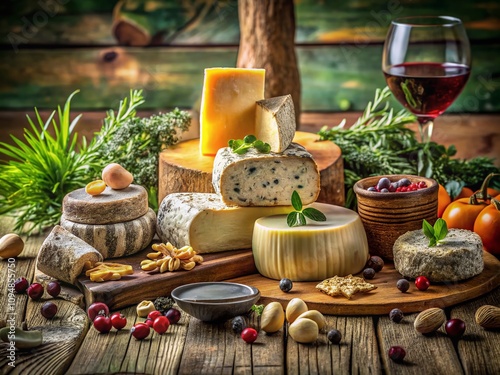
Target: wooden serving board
144	285
386	297
182	168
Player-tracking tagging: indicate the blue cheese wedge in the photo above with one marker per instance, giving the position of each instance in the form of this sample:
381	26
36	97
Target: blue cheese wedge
458	257
257	179
275	122
202	221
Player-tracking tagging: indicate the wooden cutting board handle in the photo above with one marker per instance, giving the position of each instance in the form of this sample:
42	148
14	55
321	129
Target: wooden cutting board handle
182	168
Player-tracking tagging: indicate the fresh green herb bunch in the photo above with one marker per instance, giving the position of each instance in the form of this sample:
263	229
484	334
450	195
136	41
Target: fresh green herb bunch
43	169
137	142
436	233
380	143
241	146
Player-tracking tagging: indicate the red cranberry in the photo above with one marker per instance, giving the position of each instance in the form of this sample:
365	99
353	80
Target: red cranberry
118	321
35	291
154	314
422	283
97	308
249	335
48	310
173	315
397	353
161	324
54	288
21	284
102	324
455	328
149	322
140	331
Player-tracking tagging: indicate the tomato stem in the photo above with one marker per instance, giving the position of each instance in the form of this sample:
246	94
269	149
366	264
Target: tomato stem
483	192
496	203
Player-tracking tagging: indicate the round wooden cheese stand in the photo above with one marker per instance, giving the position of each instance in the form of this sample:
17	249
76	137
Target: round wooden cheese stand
182	168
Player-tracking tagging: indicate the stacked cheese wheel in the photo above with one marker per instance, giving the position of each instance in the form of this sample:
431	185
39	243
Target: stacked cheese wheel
116	222
253	191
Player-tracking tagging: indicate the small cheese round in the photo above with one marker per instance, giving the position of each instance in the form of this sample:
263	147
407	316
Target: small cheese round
119	239
111	206
458	257
316	251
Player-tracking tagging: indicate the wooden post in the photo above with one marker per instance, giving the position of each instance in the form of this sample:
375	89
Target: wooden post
267	40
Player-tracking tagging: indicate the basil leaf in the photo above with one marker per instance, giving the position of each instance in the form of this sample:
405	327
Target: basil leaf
296	201
432	242
301	219
314	214
428	229
440	229
291	219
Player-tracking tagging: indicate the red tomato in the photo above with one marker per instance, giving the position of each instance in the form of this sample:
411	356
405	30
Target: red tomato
487	225
461	214
443	200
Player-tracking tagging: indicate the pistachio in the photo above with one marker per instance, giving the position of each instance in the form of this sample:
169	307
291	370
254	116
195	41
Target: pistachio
314	315
144	308
11	245
294	308
429	320
272	317
304	330
22	339
488	317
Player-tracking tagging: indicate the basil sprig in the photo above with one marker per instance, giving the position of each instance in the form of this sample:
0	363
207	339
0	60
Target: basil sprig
435	233
298	217
241	146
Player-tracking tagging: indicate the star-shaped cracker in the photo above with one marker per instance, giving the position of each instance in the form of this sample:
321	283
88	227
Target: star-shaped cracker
344	286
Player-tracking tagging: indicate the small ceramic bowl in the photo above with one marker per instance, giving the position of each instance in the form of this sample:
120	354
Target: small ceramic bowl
215	301
386	216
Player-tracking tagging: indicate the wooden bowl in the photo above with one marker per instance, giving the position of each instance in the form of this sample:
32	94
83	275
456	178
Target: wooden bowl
386	216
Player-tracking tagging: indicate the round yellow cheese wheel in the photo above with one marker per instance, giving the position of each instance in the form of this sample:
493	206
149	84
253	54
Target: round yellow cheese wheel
314	252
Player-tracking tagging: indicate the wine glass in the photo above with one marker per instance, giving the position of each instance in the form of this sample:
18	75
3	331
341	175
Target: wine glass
426	62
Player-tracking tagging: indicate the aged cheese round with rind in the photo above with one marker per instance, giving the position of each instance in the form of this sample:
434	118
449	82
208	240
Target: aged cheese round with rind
458	256
118	239
314	252
111	206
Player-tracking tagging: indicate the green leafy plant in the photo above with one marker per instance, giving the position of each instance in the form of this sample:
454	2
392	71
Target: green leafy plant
298	217
258	309
435	233
42	169
380	143
241	146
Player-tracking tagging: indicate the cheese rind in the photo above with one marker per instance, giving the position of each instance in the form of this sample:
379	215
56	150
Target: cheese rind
275	122
111	206
257	179
118	239
317	251
228	105
63	255
458	256
202	221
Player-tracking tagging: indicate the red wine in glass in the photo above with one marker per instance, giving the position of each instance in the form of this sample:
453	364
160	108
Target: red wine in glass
427	89
426	63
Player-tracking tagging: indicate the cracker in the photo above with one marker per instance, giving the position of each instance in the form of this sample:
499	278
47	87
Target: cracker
344	286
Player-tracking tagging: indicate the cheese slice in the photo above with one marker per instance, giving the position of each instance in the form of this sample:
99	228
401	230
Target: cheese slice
202	221
256	179
314	252
228	105
275	122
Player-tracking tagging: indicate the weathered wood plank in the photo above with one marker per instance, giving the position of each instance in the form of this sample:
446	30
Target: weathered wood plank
356	354
430	354
89	22
334	78
479	349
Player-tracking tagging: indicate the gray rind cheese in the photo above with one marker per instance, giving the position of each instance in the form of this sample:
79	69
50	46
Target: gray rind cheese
202	221
111	206
257	179
458	257
63	255
275	122
119	239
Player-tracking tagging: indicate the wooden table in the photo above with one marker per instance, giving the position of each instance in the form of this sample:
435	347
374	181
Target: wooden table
192	347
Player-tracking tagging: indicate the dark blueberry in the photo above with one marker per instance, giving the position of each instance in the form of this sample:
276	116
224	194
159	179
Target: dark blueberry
403	285
404	182
384	182
384	190
371	188
286	285
396	315
238	324
334	336
368	273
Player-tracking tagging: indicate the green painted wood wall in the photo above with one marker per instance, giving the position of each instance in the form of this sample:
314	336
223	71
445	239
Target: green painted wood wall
49	48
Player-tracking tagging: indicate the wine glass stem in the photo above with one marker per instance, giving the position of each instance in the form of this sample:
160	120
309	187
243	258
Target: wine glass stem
425	128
